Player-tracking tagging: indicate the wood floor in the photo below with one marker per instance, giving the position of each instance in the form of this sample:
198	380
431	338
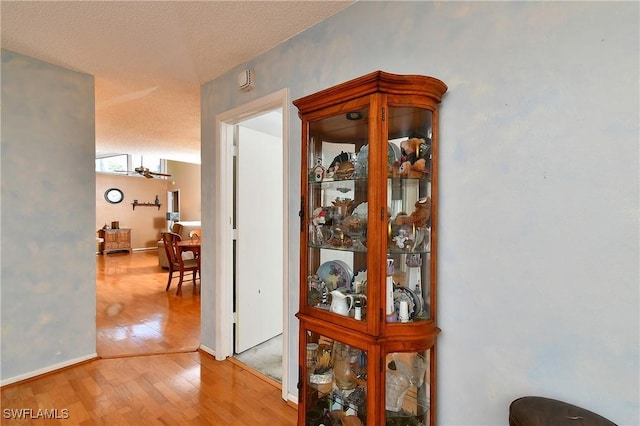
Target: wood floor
135	315
150	372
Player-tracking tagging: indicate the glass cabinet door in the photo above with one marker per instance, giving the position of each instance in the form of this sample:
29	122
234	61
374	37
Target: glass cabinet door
407	388
337	205
337	382
408	287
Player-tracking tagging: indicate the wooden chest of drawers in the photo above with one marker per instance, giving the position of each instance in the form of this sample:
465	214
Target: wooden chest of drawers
115	240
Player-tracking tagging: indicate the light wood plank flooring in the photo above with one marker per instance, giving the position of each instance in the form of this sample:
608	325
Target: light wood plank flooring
171	389
135	315
150	372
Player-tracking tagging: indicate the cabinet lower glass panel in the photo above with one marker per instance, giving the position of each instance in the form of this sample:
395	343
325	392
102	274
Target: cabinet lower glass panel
337	378
407	388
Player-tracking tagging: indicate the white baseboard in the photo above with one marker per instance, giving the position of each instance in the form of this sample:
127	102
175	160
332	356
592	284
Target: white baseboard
135	249
208	350
48	369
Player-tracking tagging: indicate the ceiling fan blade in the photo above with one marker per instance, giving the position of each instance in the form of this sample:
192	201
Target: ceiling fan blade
144	171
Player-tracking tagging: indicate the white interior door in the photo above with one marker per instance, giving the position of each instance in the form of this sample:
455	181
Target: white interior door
259	243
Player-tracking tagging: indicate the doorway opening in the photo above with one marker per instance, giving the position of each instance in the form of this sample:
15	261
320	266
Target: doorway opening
135	315
258	259
173	208
251	299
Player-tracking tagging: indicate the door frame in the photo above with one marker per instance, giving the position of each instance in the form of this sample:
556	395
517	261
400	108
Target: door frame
223	261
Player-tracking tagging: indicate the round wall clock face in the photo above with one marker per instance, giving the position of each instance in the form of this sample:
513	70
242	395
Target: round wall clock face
113	195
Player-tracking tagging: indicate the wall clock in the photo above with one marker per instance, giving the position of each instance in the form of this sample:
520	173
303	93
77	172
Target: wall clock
113	195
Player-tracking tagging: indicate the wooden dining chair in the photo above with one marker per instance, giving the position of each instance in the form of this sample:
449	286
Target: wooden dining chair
177	228
176	263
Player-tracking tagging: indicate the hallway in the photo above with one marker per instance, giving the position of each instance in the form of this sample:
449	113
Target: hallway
134	313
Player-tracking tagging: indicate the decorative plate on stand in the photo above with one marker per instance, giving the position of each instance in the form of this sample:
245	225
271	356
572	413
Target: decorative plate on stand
336	274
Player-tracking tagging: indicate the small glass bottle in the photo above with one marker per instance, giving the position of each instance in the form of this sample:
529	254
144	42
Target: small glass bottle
312	350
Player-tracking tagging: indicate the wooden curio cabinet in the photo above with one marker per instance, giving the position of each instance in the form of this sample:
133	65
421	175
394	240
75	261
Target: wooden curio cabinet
368	238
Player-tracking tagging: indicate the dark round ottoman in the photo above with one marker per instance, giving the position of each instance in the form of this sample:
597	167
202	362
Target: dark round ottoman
539	411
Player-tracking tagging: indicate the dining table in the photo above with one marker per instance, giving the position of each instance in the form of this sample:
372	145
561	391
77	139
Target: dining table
190	245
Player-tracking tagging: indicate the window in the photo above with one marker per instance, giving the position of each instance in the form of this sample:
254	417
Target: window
127	164
154	164
112	164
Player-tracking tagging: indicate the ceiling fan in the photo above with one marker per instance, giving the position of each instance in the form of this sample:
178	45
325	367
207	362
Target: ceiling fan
144	171
148	174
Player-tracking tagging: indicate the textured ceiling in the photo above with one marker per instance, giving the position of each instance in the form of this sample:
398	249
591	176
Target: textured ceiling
149	58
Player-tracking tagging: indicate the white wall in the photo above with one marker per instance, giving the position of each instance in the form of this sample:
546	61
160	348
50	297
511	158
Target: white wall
538	267
48	292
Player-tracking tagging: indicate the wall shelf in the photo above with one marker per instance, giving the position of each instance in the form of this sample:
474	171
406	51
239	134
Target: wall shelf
145	205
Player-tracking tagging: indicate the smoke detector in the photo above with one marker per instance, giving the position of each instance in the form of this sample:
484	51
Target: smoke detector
246	80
